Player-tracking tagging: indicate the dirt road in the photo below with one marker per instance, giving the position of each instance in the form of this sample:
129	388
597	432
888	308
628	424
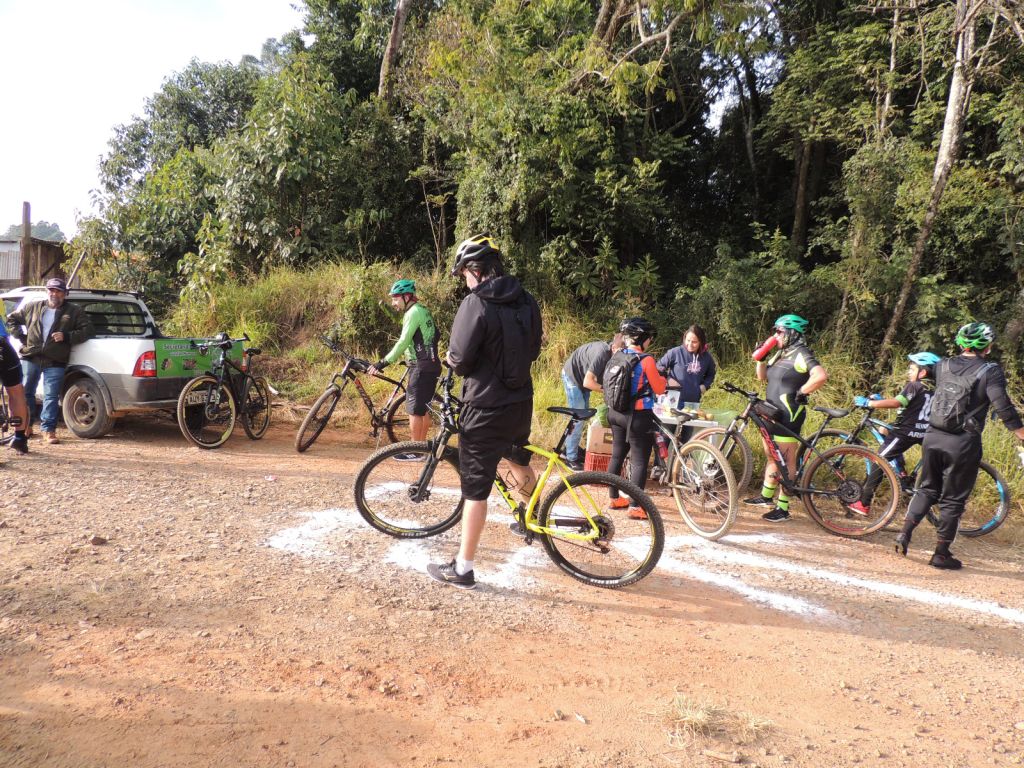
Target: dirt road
166	606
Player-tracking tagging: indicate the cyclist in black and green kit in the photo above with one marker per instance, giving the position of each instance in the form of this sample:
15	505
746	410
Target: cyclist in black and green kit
418	343
792	374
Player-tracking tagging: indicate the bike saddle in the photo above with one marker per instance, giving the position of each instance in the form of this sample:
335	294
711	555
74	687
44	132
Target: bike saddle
835	413
577	413
253	351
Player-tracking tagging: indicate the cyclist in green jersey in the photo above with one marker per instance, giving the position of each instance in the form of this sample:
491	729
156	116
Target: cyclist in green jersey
418	342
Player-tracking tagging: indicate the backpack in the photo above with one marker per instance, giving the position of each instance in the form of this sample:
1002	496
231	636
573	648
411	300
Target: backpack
513	362
617	381
952	397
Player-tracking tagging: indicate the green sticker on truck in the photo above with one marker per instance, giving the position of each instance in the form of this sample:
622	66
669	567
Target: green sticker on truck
178	358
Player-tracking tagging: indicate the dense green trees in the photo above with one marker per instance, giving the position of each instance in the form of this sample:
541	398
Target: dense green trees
717	161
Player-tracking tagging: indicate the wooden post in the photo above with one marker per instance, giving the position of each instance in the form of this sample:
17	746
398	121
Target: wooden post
26	243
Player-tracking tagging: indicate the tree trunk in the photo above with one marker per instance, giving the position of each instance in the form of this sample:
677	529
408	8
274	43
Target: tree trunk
387	65
883	122
798	239
949	148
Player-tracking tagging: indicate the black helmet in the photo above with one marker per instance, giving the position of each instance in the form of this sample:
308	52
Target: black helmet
475	249
637	330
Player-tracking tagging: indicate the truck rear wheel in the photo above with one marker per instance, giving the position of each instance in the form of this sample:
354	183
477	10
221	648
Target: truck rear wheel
85	411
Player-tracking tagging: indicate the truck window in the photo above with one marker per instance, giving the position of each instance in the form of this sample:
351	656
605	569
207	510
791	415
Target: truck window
115	318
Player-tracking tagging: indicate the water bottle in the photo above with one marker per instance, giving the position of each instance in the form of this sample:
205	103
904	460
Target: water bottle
662	443
762	352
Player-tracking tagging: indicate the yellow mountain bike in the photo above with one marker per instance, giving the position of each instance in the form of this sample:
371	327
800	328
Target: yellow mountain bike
412	490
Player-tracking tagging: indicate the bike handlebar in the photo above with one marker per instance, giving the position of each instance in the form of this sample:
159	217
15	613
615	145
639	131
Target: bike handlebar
730	387
220	341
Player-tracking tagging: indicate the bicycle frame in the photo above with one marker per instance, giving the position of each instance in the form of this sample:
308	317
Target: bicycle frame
451	407
789	483
350	372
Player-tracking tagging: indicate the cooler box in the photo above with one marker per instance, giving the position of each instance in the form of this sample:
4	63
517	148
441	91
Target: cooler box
599	439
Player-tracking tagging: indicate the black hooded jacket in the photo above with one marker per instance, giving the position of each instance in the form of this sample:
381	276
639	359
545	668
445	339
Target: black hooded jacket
476	340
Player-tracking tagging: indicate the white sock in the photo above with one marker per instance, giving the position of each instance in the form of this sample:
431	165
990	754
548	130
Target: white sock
462	567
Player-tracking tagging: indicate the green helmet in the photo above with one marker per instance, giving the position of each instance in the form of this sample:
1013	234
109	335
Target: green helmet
402	286
792	323
975	336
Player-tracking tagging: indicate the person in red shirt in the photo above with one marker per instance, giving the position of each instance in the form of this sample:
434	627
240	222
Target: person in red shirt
633	432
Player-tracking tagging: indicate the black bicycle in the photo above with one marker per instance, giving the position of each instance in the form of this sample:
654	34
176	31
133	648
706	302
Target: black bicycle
986	508
208	405
390	417
828	481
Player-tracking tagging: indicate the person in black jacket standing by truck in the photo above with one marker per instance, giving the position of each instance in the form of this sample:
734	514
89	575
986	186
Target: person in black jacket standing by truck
965	387
495	337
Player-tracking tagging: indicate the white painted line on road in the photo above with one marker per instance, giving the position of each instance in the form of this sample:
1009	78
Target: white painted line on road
710	552
689	556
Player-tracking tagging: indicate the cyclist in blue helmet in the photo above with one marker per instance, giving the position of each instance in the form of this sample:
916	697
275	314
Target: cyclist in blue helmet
913	402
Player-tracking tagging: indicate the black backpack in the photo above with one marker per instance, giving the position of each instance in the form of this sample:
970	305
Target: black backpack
617	381
953	396
513	362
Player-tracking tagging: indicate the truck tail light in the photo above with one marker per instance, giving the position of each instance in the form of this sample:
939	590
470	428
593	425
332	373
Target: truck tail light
145	366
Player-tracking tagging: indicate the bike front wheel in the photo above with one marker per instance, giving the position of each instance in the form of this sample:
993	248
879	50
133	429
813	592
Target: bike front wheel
834	480
390	482
704	489
317	418
256	407
987	506
629	541
735	448
396	420
206	412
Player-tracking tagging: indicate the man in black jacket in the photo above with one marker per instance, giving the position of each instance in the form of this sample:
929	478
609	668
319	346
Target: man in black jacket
950	455
495	337
52	327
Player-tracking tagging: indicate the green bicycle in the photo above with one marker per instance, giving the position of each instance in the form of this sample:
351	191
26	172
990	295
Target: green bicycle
582	535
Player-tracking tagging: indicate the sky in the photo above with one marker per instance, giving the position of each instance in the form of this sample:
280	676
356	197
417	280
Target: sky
74	70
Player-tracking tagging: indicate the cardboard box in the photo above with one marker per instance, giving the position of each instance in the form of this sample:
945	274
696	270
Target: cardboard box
599	439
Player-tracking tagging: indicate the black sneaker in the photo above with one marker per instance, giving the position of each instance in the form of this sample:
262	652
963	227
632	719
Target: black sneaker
945	562
777	515
446	575
901	544
575	466
409	457
759	501
20	444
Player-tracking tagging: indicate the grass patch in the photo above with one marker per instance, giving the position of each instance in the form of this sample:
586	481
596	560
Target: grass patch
690	718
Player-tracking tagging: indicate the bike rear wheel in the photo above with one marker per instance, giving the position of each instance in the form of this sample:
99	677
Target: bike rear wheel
256	407
833	481
317	418
628	548
736	450
704	489
829	438
386	484
396	421
206	412
988	505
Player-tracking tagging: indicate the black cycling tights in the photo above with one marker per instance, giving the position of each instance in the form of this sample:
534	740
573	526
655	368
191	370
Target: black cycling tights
949	468
639	443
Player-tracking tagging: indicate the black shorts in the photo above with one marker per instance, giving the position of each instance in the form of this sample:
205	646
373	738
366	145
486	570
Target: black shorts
791	417
486	436
10	364
420	388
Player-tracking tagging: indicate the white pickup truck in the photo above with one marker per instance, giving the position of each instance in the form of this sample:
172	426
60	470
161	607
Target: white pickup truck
127	366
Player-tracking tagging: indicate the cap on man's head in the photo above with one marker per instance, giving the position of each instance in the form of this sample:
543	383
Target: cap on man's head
57	284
